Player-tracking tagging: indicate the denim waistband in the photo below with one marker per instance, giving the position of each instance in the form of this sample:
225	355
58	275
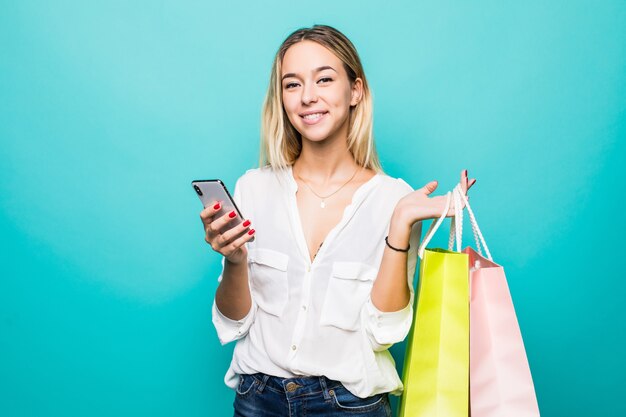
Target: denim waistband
298	386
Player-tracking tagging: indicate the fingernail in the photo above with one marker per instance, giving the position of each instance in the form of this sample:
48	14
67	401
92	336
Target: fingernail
232	214
217	206
246	223
465	173
251	232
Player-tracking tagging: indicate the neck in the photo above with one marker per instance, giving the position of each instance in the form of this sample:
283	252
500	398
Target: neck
326	161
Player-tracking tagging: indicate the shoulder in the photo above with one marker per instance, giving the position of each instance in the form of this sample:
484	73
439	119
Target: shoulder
394	186
260	177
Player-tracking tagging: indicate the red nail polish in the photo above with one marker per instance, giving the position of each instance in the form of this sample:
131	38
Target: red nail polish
246	223
232	214
217	206
251	232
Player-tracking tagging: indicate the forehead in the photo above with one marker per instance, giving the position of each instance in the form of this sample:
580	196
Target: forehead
305	56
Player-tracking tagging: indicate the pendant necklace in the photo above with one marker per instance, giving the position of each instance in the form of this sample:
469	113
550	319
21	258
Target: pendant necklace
323	198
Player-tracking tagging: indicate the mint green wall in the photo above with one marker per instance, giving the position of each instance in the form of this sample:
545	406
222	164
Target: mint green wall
109	109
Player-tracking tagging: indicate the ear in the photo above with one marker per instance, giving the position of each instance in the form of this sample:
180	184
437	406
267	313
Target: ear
357	92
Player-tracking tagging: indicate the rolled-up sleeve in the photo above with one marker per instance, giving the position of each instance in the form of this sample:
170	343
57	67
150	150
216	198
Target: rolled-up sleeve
384	328
229	330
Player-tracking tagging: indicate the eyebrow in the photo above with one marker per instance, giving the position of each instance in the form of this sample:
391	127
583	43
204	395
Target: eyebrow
318	69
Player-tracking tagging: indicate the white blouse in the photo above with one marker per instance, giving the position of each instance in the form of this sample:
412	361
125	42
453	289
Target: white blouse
316	318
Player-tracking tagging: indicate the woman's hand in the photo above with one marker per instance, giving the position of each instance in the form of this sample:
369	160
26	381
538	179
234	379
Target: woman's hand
226	234
390	291
418	205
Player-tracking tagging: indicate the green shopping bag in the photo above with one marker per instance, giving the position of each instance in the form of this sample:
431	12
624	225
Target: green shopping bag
436	365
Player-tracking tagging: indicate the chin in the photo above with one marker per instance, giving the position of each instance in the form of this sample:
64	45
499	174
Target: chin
316	136
316	133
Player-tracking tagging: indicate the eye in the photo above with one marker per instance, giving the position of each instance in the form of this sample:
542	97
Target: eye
325	80
290	85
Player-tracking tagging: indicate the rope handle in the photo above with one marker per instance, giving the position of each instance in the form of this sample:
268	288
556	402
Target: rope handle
456	225
478	236
433	227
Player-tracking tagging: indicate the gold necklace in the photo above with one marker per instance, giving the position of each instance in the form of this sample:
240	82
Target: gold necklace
323	198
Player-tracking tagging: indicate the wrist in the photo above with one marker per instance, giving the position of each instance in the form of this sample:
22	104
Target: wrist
400	223
237	260
399	233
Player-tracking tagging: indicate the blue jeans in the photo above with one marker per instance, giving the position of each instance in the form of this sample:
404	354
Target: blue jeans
261	395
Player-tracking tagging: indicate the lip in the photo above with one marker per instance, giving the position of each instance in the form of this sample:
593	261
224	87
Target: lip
315	121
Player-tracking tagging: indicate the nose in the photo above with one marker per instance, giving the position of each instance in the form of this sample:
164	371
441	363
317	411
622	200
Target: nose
309	94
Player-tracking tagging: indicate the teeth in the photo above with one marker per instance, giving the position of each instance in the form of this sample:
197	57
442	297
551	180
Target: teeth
313	116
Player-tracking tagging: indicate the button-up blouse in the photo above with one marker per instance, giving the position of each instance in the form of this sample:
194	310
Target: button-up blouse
317	318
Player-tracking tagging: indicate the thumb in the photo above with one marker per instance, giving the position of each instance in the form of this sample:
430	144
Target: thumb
429	188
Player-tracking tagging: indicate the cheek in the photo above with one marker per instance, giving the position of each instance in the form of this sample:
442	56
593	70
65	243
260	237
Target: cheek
341	98
291	107
290	103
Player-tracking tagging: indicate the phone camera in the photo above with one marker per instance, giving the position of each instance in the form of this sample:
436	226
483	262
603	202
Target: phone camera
197	189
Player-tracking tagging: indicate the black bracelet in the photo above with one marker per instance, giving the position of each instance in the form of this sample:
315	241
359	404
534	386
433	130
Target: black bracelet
396	249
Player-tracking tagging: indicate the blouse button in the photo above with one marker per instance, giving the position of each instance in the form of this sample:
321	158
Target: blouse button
293	347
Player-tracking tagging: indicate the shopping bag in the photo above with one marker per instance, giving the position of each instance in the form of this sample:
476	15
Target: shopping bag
436	365
500	380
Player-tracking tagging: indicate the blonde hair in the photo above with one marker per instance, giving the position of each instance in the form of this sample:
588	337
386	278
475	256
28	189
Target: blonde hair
281	143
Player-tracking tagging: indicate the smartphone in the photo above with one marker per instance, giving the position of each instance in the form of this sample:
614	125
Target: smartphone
211	191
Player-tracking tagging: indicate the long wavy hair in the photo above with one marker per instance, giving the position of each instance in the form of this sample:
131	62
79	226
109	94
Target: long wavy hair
281	143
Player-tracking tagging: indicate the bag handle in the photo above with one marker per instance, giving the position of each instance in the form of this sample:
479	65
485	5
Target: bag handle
456	224
433	227
478	236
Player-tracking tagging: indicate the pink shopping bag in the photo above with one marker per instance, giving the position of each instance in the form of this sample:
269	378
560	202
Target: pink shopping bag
501	384
500	379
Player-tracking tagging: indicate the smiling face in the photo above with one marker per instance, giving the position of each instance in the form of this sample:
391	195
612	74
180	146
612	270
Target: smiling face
316	91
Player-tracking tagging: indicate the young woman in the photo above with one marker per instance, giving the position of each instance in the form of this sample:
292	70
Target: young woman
316	300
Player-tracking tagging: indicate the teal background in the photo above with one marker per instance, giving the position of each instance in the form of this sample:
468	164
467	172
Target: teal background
109	109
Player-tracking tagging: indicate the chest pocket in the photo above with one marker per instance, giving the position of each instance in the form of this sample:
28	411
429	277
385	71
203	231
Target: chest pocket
268	270
348	289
